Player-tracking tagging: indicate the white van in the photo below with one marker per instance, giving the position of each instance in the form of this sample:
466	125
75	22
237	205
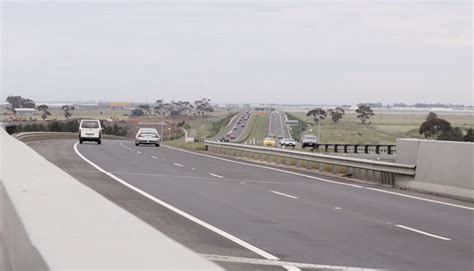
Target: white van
90	130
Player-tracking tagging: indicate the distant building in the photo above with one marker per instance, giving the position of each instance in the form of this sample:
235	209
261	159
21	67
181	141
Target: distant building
118	106
24	111
264	109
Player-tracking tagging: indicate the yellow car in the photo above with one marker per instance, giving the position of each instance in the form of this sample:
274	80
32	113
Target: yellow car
269	142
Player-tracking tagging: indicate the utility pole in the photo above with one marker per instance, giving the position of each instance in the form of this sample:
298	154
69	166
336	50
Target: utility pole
319	128
162	120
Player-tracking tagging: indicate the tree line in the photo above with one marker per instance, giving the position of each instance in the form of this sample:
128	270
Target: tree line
364	113
175	108
440	129
432	128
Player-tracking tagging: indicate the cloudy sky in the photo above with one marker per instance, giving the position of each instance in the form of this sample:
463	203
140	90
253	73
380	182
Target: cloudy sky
324	52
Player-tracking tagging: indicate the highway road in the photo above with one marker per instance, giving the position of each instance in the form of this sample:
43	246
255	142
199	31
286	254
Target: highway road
238	125
248	213
277	125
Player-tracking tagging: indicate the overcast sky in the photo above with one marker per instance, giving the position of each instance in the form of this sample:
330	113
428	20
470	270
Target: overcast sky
320	52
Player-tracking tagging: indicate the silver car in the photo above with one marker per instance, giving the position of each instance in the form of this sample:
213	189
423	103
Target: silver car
148	136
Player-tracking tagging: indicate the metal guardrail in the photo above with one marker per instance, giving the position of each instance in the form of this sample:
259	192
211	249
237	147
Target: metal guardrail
383	172
388	149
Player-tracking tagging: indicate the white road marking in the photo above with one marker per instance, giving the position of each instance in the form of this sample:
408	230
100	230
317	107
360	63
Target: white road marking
193	168
337	208
217	176
139	152
154	157
220	258
176	164
323	180
208	226
423	232
423	199
283	194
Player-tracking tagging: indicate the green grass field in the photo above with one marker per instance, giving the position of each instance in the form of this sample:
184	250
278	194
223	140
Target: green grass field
386	126
259	131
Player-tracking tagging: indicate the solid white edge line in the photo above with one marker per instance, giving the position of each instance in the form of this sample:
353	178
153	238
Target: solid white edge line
423	232
217	176
176	164
154	157
325	180
196	220
423	199
221	258
270	168
283	194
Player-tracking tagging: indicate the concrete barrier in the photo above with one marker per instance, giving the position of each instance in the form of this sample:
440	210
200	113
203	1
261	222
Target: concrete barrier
38	136
442	167
50	221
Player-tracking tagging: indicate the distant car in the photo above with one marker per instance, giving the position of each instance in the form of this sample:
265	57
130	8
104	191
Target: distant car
272	135
287	142
235	128
224	139
280	136
90	130
147	136
269	142
309	141
243	125
232	136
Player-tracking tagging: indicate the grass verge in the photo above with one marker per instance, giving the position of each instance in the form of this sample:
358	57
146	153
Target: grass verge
179	143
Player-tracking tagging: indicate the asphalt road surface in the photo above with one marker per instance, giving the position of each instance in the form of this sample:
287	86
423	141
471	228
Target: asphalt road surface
239	124
277	125
307	219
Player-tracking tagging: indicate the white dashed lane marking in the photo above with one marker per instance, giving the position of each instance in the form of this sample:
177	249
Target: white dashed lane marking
283	194
217	176
176	164
423	232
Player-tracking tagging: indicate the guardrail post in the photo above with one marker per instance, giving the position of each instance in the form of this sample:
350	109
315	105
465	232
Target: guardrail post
298	163
356	148
377	149
326	146
370	175
345	148
377	176
287	161
333	169
366	149
321	166
355	173
389	149
309	164
350	171
362	174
